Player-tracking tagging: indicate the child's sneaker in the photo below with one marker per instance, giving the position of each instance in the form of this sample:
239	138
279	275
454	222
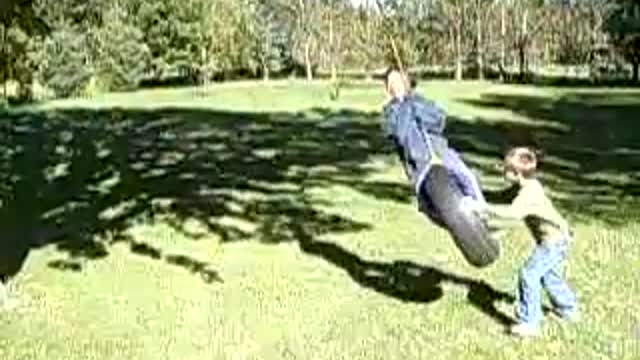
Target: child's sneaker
568	316
9	304
525	330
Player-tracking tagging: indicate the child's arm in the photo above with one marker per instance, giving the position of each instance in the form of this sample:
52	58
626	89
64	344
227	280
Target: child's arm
525	207
508	212
527	202
504	217
389	120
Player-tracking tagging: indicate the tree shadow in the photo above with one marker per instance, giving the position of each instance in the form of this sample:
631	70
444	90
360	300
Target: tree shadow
591	144
195	267
408	281
79	179
617	79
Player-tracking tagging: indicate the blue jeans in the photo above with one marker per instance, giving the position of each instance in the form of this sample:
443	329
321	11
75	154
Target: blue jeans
542	270
462	176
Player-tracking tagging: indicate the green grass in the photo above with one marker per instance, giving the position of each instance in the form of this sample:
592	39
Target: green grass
267	222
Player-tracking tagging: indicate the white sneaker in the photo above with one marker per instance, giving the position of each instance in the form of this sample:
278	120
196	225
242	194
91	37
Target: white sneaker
525	330
9	304
568	316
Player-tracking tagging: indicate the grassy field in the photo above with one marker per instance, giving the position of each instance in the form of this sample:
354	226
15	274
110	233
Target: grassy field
267	222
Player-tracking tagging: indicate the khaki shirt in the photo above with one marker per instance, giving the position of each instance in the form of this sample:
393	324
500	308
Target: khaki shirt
532	206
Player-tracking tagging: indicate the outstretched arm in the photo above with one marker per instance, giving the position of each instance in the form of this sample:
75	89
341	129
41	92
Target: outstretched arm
527	202
515	211
389	120
507	212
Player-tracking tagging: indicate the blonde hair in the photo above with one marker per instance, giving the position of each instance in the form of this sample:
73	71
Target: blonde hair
523	160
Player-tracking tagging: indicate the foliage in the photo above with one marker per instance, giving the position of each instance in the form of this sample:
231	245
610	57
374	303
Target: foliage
122	54
119	43
273	37
173	32
67	69
624	26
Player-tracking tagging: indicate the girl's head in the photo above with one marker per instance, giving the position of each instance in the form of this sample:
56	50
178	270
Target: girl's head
520	163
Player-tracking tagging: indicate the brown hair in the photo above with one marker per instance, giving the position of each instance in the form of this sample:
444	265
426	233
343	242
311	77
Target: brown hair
524	160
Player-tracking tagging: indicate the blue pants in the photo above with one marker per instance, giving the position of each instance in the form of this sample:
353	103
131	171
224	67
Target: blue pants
542	270
462	176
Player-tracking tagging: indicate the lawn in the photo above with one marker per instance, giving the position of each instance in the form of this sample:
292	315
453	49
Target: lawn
257	221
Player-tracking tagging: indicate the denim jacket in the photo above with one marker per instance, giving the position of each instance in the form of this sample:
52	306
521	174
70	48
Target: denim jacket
414	124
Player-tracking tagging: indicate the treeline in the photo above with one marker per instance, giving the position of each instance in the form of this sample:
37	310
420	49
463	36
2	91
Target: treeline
77	47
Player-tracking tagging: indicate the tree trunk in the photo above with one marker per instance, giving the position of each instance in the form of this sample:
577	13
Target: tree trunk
503	39
204	76
266	75
479	46
597	25
523	45
369	16
304	25
636	75
546	57
307	58
332	52
335	86
521	60
25	87
458	42
5	62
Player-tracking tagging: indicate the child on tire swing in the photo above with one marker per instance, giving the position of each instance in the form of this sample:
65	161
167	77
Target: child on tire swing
415	124
552	236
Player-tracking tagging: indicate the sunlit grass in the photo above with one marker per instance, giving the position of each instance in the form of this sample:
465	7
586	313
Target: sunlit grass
397	289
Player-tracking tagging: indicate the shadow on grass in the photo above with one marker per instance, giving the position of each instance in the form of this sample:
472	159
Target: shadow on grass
568	81
79	179
408	281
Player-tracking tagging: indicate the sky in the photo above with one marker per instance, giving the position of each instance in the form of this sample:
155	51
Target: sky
358	2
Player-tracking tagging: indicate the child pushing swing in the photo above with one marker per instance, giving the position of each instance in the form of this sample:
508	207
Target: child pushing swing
553	238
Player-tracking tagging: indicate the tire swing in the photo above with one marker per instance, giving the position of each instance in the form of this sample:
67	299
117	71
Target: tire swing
470	232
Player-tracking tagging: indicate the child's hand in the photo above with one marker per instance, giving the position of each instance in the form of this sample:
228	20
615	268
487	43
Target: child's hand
475	205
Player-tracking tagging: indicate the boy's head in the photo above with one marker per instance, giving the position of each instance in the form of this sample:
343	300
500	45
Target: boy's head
521	162
396	83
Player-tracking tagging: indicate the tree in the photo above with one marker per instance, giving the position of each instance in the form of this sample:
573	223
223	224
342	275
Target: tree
624	26
117	42
172	32
21	13
67	69
455	11
19	22
272	37
235	38
306	14
122	55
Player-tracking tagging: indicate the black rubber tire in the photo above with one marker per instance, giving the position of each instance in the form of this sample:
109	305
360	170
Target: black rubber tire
469	231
